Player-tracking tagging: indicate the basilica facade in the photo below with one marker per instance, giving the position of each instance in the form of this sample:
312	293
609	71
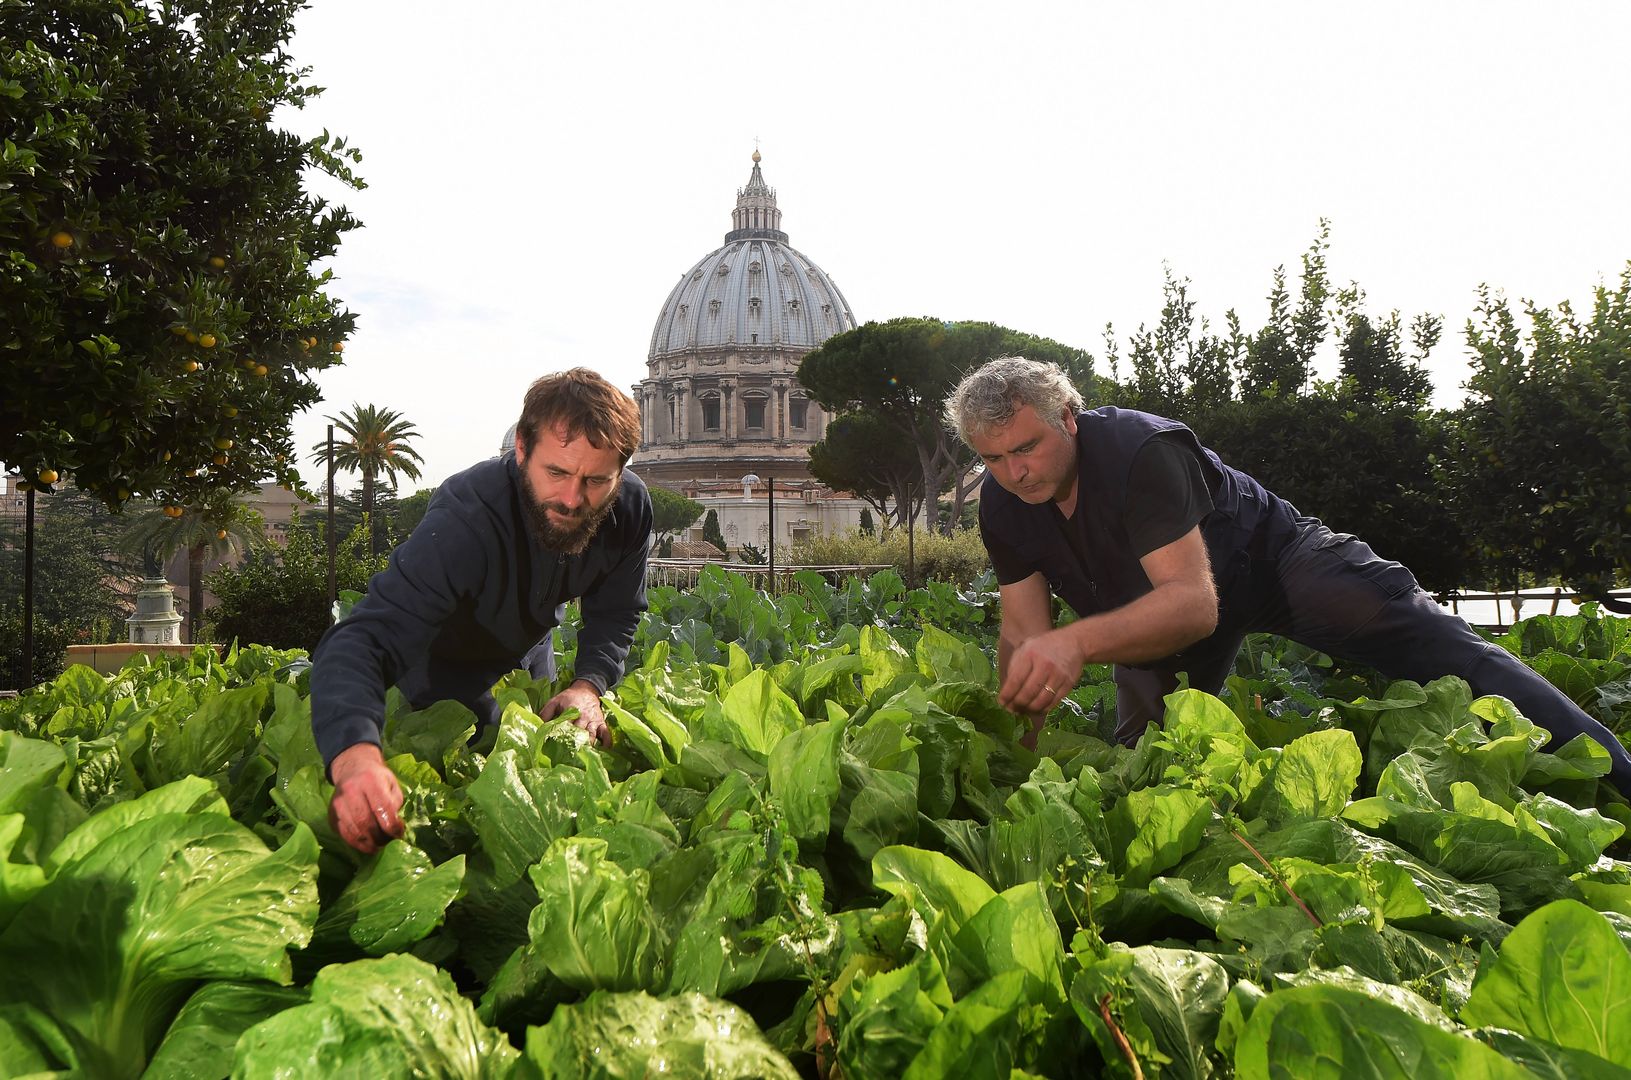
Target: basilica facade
722	413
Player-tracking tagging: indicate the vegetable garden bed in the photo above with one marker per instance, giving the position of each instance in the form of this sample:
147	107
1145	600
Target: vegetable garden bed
816	847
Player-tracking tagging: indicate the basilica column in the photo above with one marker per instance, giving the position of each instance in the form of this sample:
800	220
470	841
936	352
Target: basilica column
727	390
682	389
780	386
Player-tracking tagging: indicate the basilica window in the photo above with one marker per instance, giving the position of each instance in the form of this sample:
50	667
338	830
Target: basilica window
753	411
796	410
710	412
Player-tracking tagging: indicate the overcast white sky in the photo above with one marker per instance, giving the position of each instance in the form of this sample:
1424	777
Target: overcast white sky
541	174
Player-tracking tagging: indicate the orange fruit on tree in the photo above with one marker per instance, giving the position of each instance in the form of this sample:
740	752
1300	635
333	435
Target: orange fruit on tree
219	459
261	370
48	476
206	341
220	534
172	511
178	330
338	346
191	366
217	262
229	411
192	338
62	239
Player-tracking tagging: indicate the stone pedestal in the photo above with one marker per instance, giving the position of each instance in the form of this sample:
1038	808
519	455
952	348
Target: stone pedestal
156	621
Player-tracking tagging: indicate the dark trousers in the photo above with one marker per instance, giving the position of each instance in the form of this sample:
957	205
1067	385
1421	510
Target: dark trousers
1331	592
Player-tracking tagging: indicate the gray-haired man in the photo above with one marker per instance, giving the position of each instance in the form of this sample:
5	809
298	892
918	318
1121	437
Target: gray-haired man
1170	557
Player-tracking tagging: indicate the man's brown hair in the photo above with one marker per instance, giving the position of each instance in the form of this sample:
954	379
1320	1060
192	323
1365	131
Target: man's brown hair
584	404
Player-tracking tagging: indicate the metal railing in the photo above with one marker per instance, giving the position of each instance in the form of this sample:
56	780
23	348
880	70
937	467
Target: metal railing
1521	603
683	573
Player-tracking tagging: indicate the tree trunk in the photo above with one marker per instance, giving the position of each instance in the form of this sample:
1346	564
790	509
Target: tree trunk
195	590
368	511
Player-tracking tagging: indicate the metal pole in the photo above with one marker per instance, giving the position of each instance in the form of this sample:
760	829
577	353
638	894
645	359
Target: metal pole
333	594
772	581
28	592
911	545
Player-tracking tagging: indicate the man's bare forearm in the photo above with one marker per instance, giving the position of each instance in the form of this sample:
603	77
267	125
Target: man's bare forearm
1156	625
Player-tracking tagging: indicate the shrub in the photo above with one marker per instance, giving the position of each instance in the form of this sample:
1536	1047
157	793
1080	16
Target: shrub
51	641
958	558
281	598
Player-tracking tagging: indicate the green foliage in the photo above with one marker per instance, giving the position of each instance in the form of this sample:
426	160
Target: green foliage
280	598
611	1035
162	321
1562	976
78	574
673	513
861	452
1543	469
957	559
216	527
51	641
393	1016
898	374
374	442
1363	452
866	526
813	807
410	510
711	531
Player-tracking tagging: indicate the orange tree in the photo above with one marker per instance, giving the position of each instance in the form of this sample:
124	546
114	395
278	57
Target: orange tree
160	319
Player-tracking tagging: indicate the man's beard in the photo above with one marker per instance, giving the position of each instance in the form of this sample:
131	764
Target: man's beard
569	539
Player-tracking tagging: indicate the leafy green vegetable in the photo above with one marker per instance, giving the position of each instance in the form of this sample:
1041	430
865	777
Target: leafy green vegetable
112	944
394	1016
611	1036
1312	1032
1564	976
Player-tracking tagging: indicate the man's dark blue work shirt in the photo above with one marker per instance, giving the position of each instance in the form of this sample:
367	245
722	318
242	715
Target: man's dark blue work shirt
470	596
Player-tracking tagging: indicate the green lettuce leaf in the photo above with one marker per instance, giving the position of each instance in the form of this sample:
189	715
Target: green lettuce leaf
1564	976
204	1035
519	812
804	778
594	927
1152	829
630	1036
394	1016
978	1039
113	943
395	900
884	1020
1338	1031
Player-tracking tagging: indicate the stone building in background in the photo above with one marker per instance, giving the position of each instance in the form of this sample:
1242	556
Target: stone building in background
722	412
721	409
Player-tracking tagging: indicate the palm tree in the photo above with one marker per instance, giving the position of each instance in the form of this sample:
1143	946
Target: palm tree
375	444
204	531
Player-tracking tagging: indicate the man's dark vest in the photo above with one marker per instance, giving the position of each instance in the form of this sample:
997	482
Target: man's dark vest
1247	520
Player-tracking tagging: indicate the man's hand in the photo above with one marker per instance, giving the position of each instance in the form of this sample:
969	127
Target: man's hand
584	697
367	799
1038	675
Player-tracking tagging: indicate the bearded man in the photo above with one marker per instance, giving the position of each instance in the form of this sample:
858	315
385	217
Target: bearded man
480	585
